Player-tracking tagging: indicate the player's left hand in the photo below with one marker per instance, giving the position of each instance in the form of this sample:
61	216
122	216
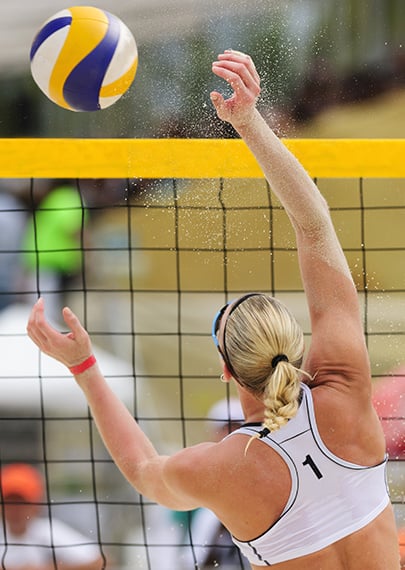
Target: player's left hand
240	73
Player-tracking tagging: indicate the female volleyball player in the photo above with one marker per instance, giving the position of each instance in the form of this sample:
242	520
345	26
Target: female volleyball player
302	484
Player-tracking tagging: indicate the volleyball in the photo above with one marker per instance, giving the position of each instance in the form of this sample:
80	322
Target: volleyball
84	58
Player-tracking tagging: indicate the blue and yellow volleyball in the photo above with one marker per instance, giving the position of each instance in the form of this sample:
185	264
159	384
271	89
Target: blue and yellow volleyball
84	58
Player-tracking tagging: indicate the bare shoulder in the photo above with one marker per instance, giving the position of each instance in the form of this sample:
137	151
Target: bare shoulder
199	470
224	479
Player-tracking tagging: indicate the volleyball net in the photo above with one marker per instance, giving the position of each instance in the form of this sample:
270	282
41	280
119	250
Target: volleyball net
144	240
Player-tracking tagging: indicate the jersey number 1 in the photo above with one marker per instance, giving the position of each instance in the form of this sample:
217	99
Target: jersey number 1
309	461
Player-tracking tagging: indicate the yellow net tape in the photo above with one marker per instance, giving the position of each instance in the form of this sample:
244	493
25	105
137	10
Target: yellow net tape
193	158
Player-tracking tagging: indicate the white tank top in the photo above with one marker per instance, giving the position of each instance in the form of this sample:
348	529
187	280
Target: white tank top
330	498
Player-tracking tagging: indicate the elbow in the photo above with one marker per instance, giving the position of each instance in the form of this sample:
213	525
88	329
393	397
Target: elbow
315	226
313	217
135	473
145	476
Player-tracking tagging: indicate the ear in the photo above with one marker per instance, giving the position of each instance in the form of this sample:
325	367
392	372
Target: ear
226	374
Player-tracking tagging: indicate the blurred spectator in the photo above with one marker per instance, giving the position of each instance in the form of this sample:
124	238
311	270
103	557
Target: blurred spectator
32	542
389	402
318	90
365	83
12	223
53	245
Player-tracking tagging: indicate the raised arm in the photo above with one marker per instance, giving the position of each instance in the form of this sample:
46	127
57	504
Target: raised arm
330	291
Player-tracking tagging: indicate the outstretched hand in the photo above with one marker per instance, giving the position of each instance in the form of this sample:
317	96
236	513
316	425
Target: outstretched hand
70	348
240	73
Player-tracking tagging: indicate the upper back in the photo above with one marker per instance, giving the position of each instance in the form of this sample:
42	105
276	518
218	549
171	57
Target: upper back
324	503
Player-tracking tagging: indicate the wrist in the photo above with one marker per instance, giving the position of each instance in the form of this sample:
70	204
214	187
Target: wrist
247	122
83	366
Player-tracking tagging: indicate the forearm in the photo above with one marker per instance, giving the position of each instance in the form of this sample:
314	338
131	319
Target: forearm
299	196
287	178
126	442
130	448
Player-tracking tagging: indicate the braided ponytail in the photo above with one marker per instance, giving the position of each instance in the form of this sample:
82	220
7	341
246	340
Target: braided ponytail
265	345
281	398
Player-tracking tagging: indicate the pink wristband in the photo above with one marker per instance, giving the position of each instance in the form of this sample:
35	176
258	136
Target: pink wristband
85	365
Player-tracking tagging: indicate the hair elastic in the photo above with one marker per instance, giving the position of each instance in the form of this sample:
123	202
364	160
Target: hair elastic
263	432
278	358
83	366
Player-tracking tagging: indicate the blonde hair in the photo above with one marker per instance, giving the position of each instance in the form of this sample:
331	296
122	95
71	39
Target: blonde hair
265	345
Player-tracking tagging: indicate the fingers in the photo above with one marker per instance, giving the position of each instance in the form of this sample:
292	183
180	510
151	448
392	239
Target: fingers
217	101
235	74
36	328
238	70
36	315
37	321
70	348
72	321
240	57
